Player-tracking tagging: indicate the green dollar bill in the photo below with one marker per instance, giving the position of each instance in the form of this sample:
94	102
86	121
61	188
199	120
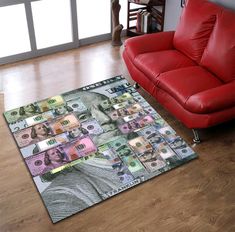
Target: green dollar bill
22	113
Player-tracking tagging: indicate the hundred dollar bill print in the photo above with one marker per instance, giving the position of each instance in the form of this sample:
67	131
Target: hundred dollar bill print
89	144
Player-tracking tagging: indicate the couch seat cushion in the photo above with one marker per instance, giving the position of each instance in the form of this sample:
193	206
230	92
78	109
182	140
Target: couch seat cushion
183	83
213	100
152	64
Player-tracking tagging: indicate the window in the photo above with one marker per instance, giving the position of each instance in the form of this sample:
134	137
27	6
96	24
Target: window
14	37
52	22
30	28
95	20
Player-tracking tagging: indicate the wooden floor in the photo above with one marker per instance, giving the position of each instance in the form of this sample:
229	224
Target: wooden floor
197	197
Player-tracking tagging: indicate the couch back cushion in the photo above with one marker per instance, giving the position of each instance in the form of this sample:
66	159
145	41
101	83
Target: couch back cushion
194	29
219	55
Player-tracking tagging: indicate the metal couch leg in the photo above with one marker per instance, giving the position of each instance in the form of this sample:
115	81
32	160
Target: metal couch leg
196	138
136	85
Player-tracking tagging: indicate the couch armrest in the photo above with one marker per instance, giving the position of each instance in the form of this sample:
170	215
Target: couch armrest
149	43
212	100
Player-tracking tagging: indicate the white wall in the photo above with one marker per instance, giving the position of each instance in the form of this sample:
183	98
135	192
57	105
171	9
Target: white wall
172	14
173	11
227	3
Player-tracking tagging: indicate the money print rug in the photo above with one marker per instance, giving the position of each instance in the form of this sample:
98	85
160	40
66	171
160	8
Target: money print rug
89	144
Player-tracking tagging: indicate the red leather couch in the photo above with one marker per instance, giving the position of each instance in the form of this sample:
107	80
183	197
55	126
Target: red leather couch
191	71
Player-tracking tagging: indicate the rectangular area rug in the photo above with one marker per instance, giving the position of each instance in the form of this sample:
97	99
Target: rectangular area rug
89	144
